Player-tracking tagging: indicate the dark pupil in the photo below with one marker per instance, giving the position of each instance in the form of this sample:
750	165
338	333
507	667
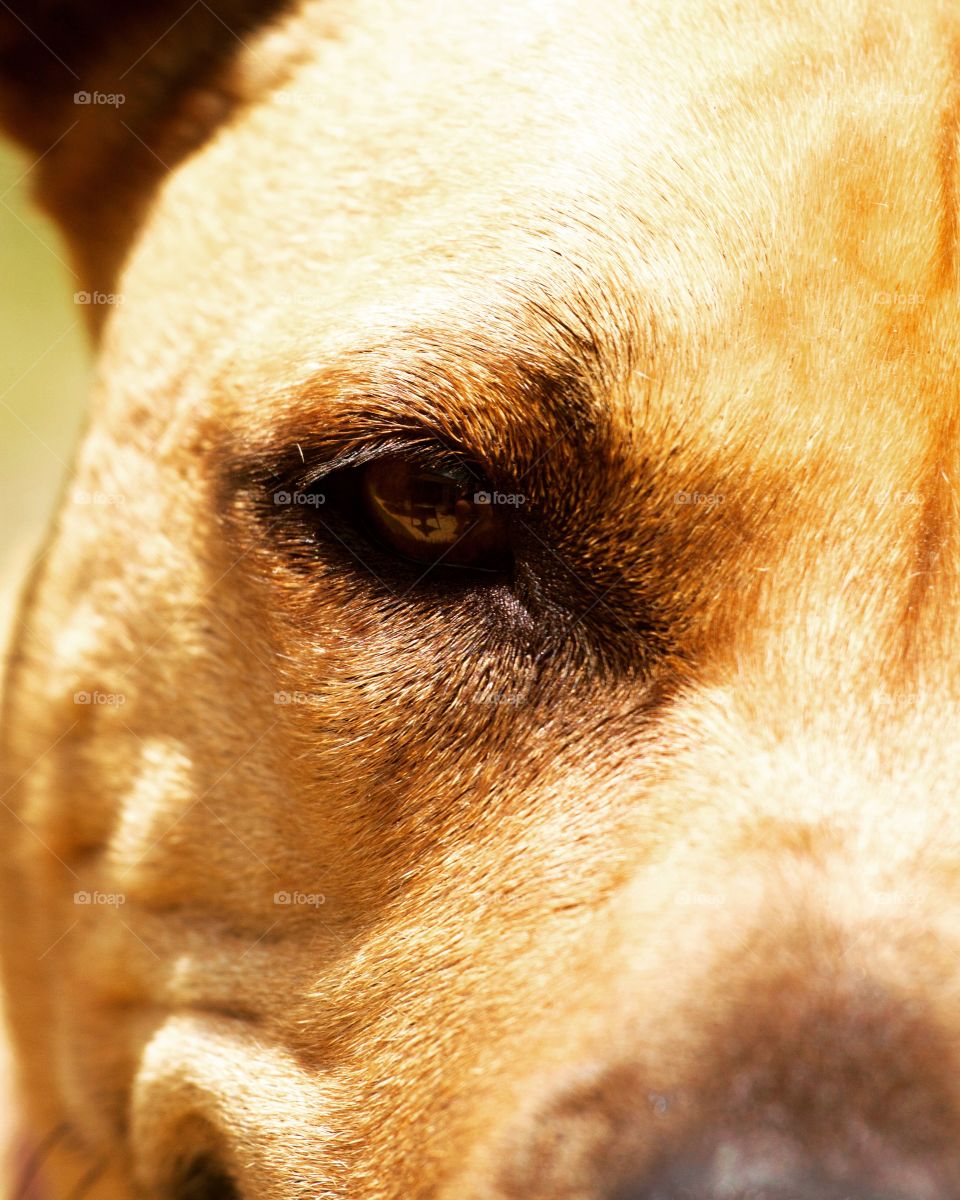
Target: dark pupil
433	508
431	516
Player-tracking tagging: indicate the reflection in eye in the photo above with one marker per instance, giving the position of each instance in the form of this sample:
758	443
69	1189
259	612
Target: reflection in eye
434	516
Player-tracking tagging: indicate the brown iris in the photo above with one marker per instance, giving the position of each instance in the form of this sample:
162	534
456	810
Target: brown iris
435	516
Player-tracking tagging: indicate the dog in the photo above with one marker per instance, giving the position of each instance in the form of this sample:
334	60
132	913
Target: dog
484	723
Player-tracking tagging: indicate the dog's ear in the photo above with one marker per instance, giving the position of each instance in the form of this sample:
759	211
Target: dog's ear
108	95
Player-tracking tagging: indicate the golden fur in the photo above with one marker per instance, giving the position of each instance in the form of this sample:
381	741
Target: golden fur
684	275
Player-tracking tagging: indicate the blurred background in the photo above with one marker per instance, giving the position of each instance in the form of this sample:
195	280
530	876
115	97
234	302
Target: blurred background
44	375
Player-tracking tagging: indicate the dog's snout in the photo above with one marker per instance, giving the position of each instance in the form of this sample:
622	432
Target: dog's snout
205	1179
821	1082
734	1170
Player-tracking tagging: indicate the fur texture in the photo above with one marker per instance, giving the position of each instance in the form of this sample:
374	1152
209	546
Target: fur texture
655	847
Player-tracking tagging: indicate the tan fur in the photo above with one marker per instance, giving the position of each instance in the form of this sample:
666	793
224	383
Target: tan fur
704	870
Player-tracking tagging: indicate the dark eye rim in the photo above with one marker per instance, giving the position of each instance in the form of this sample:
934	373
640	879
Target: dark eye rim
329	507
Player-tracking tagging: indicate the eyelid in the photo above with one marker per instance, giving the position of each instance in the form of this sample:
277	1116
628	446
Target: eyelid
431	455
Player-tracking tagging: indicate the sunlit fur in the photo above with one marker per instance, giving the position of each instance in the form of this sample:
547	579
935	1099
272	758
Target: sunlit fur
683	274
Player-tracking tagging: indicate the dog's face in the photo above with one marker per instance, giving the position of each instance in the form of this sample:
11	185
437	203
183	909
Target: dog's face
485	726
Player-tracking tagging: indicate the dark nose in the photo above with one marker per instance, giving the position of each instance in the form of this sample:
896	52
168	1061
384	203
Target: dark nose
734	1171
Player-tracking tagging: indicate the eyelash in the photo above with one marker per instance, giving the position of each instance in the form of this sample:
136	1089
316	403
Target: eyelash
428	454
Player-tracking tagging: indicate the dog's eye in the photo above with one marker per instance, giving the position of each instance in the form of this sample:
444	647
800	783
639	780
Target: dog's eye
443	517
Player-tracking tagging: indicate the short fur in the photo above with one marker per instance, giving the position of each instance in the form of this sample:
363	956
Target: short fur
655	848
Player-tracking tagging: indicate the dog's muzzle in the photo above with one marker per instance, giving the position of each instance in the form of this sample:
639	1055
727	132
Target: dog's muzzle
811	1080
771	1168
